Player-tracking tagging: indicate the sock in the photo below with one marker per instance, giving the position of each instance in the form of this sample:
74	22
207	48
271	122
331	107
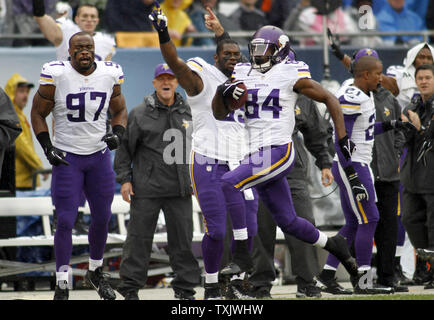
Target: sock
328	273
94	264
322	240
240	234
211	277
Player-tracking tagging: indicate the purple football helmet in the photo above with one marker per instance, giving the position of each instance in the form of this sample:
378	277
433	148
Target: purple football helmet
269	46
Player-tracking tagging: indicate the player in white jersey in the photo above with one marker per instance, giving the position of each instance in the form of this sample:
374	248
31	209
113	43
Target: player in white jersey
218	146
361	215
398	80
273	83
59	31
79	93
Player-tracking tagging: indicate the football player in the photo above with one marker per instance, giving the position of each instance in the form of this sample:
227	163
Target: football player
79	94
273	83
59	31
218	147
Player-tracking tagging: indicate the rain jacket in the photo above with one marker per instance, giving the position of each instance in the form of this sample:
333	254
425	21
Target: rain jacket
26	159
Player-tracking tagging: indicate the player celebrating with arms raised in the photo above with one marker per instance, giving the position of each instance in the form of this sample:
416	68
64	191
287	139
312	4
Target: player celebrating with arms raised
79	93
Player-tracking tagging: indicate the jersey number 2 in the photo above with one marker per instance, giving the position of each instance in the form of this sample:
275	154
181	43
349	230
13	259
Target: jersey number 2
76	101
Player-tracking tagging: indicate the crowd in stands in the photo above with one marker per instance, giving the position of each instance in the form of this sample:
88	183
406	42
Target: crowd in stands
186	16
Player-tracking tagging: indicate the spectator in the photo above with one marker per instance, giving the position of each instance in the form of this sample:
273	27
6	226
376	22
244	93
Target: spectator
151	184
179	22
276	11
128	15
419	7
58	32
24	22
6	21
10	127
249	18
304	261
417	173
310	20
395	16
26	159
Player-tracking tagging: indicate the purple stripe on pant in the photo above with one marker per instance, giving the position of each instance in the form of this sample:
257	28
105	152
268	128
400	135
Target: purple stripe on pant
266	170
360	218
206	174
94	175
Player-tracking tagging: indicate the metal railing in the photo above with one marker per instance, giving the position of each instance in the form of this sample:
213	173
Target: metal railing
245	34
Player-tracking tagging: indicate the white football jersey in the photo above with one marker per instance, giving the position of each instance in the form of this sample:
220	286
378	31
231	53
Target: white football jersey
104	43
355	102
269	110
80	104
217	139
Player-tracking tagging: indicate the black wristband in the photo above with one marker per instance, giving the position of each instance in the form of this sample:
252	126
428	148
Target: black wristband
38	8
118	130
44	139
163	36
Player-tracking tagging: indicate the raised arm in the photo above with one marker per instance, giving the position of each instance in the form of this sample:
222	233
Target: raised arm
387	82
187	78
47	24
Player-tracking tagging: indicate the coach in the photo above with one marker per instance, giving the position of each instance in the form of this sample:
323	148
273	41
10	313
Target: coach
417	172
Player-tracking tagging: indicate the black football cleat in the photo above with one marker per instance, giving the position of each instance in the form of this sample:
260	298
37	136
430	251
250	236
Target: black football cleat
337	246
61	292
308	290
241	260
426	255
363	285
237	291
332	286
212	291
98	280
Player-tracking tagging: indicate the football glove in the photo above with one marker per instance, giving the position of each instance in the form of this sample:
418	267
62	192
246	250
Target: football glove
230	89
398	124
158	18
336	50
426	147
358	189
55	156
38	8
113	139
347	147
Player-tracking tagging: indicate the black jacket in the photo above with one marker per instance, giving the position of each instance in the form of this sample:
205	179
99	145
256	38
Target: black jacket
415	176
387	146
317	135
10	127
155	136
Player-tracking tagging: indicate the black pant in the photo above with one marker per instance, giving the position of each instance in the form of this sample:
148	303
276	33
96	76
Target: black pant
387	228
138	245
418	218
304	260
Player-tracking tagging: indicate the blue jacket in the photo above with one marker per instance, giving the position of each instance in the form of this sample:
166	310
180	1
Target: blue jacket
406	20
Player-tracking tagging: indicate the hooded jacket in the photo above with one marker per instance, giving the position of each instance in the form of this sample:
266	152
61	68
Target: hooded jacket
405	78
26	159
10	126
177	19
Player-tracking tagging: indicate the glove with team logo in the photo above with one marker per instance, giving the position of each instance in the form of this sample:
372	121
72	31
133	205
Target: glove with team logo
113	139
398	124
231	89
54	156
336	50
159	20
358	189
347	147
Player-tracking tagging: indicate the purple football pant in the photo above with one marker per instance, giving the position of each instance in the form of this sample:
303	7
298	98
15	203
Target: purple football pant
266	170
361	217
94	175
206	176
